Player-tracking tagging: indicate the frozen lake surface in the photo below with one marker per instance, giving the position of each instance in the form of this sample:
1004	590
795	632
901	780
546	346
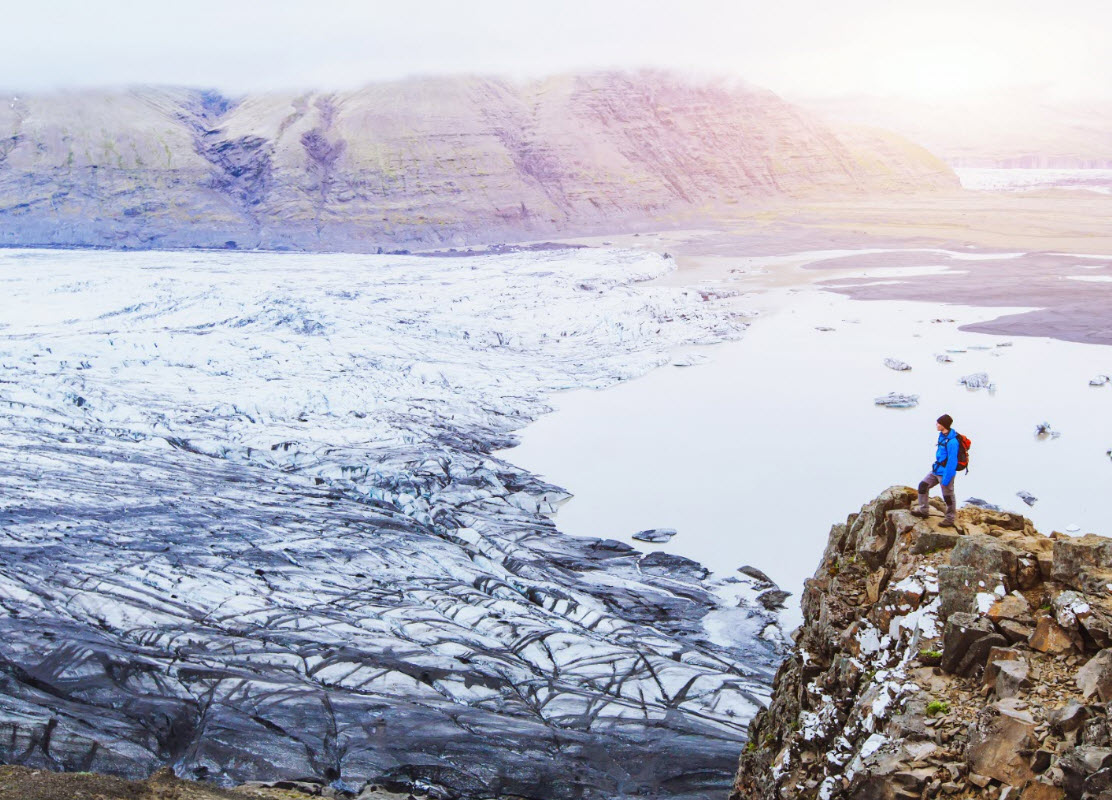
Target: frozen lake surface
754	453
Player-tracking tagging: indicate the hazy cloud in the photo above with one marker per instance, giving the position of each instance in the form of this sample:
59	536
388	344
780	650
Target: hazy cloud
799	48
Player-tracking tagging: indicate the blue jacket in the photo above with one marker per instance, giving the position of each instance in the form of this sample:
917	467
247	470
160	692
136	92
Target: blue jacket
946	457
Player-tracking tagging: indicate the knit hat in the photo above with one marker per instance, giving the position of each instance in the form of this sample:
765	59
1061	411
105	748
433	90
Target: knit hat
946	421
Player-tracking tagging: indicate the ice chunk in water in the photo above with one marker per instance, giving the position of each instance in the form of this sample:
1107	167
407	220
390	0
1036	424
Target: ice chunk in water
897	400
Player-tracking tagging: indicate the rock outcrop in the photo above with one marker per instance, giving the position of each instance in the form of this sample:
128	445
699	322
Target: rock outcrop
942	663
453	160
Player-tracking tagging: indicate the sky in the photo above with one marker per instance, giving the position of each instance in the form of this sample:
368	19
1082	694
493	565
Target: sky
802	49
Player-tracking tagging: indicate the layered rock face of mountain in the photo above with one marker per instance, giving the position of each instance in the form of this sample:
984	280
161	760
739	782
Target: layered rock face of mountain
451	160
943	663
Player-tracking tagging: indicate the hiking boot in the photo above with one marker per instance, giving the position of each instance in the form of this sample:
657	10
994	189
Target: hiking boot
921	513
947	523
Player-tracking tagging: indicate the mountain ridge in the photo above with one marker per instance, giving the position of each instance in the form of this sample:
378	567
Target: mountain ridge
419	161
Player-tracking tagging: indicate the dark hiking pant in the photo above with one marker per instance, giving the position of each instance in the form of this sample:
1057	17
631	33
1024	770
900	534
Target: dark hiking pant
931	481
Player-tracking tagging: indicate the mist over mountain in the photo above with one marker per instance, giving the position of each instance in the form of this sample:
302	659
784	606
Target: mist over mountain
1018	128
427	161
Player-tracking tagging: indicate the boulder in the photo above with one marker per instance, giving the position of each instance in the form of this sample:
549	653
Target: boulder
1098	627
967	640
996	657
1079	764
929	540
1096	676
1012	607
1015	631
773	599
1068	718
988	556
874	536
756	575
1000	744
958	587
1011	679
1050	637
1072	556
1070	608
1041	790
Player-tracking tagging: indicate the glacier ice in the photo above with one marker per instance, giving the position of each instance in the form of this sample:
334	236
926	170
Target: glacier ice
252	527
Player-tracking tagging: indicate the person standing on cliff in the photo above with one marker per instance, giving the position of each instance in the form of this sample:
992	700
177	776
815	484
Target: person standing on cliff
944	469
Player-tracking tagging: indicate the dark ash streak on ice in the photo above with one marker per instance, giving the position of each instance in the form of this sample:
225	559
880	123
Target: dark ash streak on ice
251	528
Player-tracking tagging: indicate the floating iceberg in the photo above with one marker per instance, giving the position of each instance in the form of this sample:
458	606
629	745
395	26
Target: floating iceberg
655	535
896	400
978	380
896	364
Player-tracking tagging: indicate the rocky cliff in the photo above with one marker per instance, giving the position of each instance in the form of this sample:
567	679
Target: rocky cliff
933	663
452	160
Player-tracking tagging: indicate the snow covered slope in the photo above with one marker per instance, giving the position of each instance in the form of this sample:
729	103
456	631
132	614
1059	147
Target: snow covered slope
250	527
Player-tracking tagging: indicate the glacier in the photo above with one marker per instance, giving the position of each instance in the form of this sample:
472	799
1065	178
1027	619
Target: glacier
251	527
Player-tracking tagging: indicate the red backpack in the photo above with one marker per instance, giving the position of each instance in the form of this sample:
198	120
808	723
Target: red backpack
964	443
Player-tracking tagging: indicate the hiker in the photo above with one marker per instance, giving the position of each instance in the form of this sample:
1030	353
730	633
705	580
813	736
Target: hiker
944	469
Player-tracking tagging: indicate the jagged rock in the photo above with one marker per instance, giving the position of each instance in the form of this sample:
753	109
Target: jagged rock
756	575
1015	631
1068	718
1041	760
1041	790
1011	607
1050	637
1074	556
1079	765
874	534
773	599
967	641
958	587
655	535
929	540
996	657
1000	743
1011	678
859	697
874	584
988	556
1096	676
